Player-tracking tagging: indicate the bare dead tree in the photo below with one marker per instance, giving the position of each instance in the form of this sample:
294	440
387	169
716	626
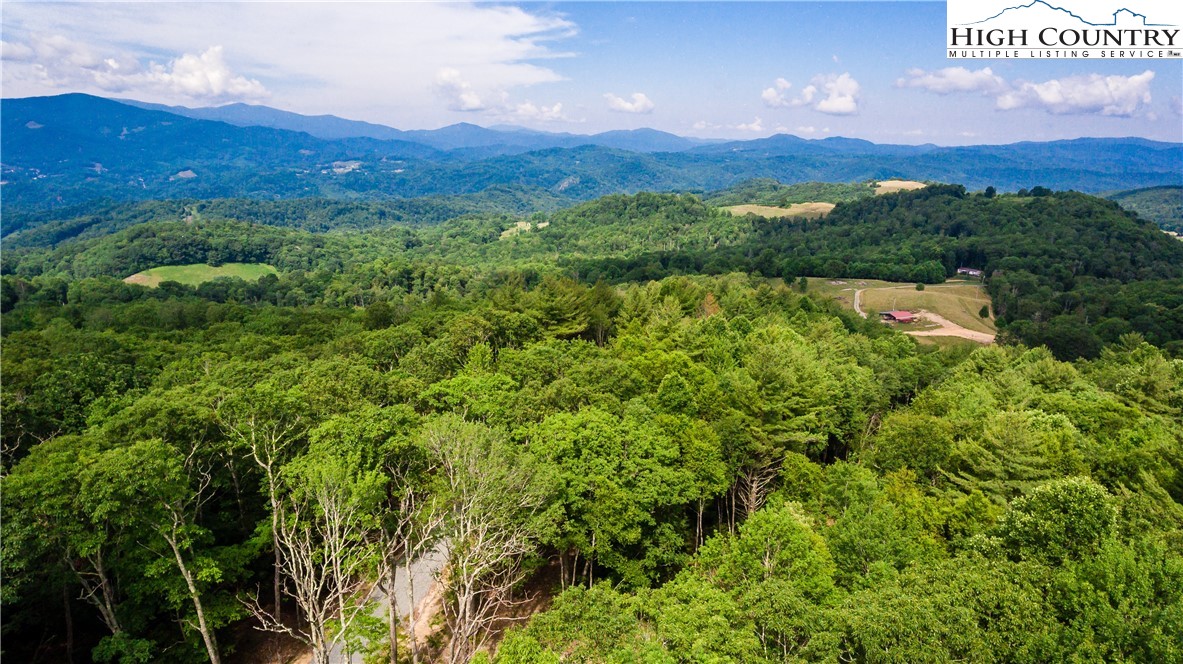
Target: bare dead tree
266	425
412	529
753	484
491	497
326	533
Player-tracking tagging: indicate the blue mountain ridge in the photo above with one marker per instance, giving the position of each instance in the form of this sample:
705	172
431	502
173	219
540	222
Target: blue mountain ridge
66	150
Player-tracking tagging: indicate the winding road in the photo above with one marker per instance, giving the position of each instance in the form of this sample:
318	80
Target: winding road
858	296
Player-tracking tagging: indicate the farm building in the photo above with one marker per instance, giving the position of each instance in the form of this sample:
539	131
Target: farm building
970	272
897	316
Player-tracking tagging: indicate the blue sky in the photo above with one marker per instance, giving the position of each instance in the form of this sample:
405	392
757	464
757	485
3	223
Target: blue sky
873	70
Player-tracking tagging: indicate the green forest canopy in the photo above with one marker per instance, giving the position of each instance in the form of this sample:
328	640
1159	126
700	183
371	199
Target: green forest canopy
698	462
755	475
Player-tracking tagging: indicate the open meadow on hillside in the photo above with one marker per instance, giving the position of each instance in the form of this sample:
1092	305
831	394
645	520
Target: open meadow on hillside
198	273
800	210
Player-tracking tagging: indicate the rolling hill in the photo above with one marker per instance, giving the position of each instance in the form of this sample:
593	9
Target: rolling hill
1162	205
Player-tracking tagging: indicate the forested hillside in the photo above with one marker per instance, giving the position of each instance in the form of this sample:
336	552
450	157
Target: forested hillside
1162	205
707	468
766	191
71	149
626	426
1066	270
586	333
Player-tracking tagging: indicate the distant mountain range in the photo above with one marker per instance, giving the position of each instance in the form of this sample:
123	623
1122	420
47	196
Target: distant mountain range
69	149
507	140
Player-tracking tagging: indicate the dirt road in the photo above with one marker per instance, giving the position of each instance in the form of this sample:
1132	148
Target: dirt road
858	297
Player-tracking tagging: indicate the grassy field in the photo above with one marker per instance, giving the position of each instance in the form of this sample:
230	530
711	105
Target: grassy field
843	289
958	301
892	186
197	273
948	342
807	210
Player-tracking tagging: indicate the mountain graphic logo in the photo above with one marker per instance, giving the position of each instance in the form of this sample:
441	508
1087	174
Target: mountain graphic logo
1122	13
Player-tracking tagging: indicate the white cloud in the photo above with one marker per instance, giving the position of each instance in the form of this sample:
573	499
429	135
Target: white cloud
15	52
1107	95
640	103
56	61
457	91
1177	105
528	112
754	125
461	96
376	61
775	97
953	79
834	94
1113	95
204	76
842	93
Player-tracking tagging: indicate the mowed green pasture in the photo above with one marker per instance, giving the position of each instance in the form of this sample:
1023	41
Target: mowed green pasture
198	273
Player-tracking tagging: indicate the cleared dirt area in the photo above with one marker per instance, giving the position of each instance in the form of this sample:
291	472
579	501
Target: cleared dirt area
518	227
948	329
806	210
892	186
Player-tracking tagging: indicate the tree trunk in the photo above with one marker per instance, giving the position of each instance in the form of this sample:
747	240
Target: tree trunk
275	548
698	525
100	593
69	623
392	608
590	561
411	610
207	635
731	507
237	491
